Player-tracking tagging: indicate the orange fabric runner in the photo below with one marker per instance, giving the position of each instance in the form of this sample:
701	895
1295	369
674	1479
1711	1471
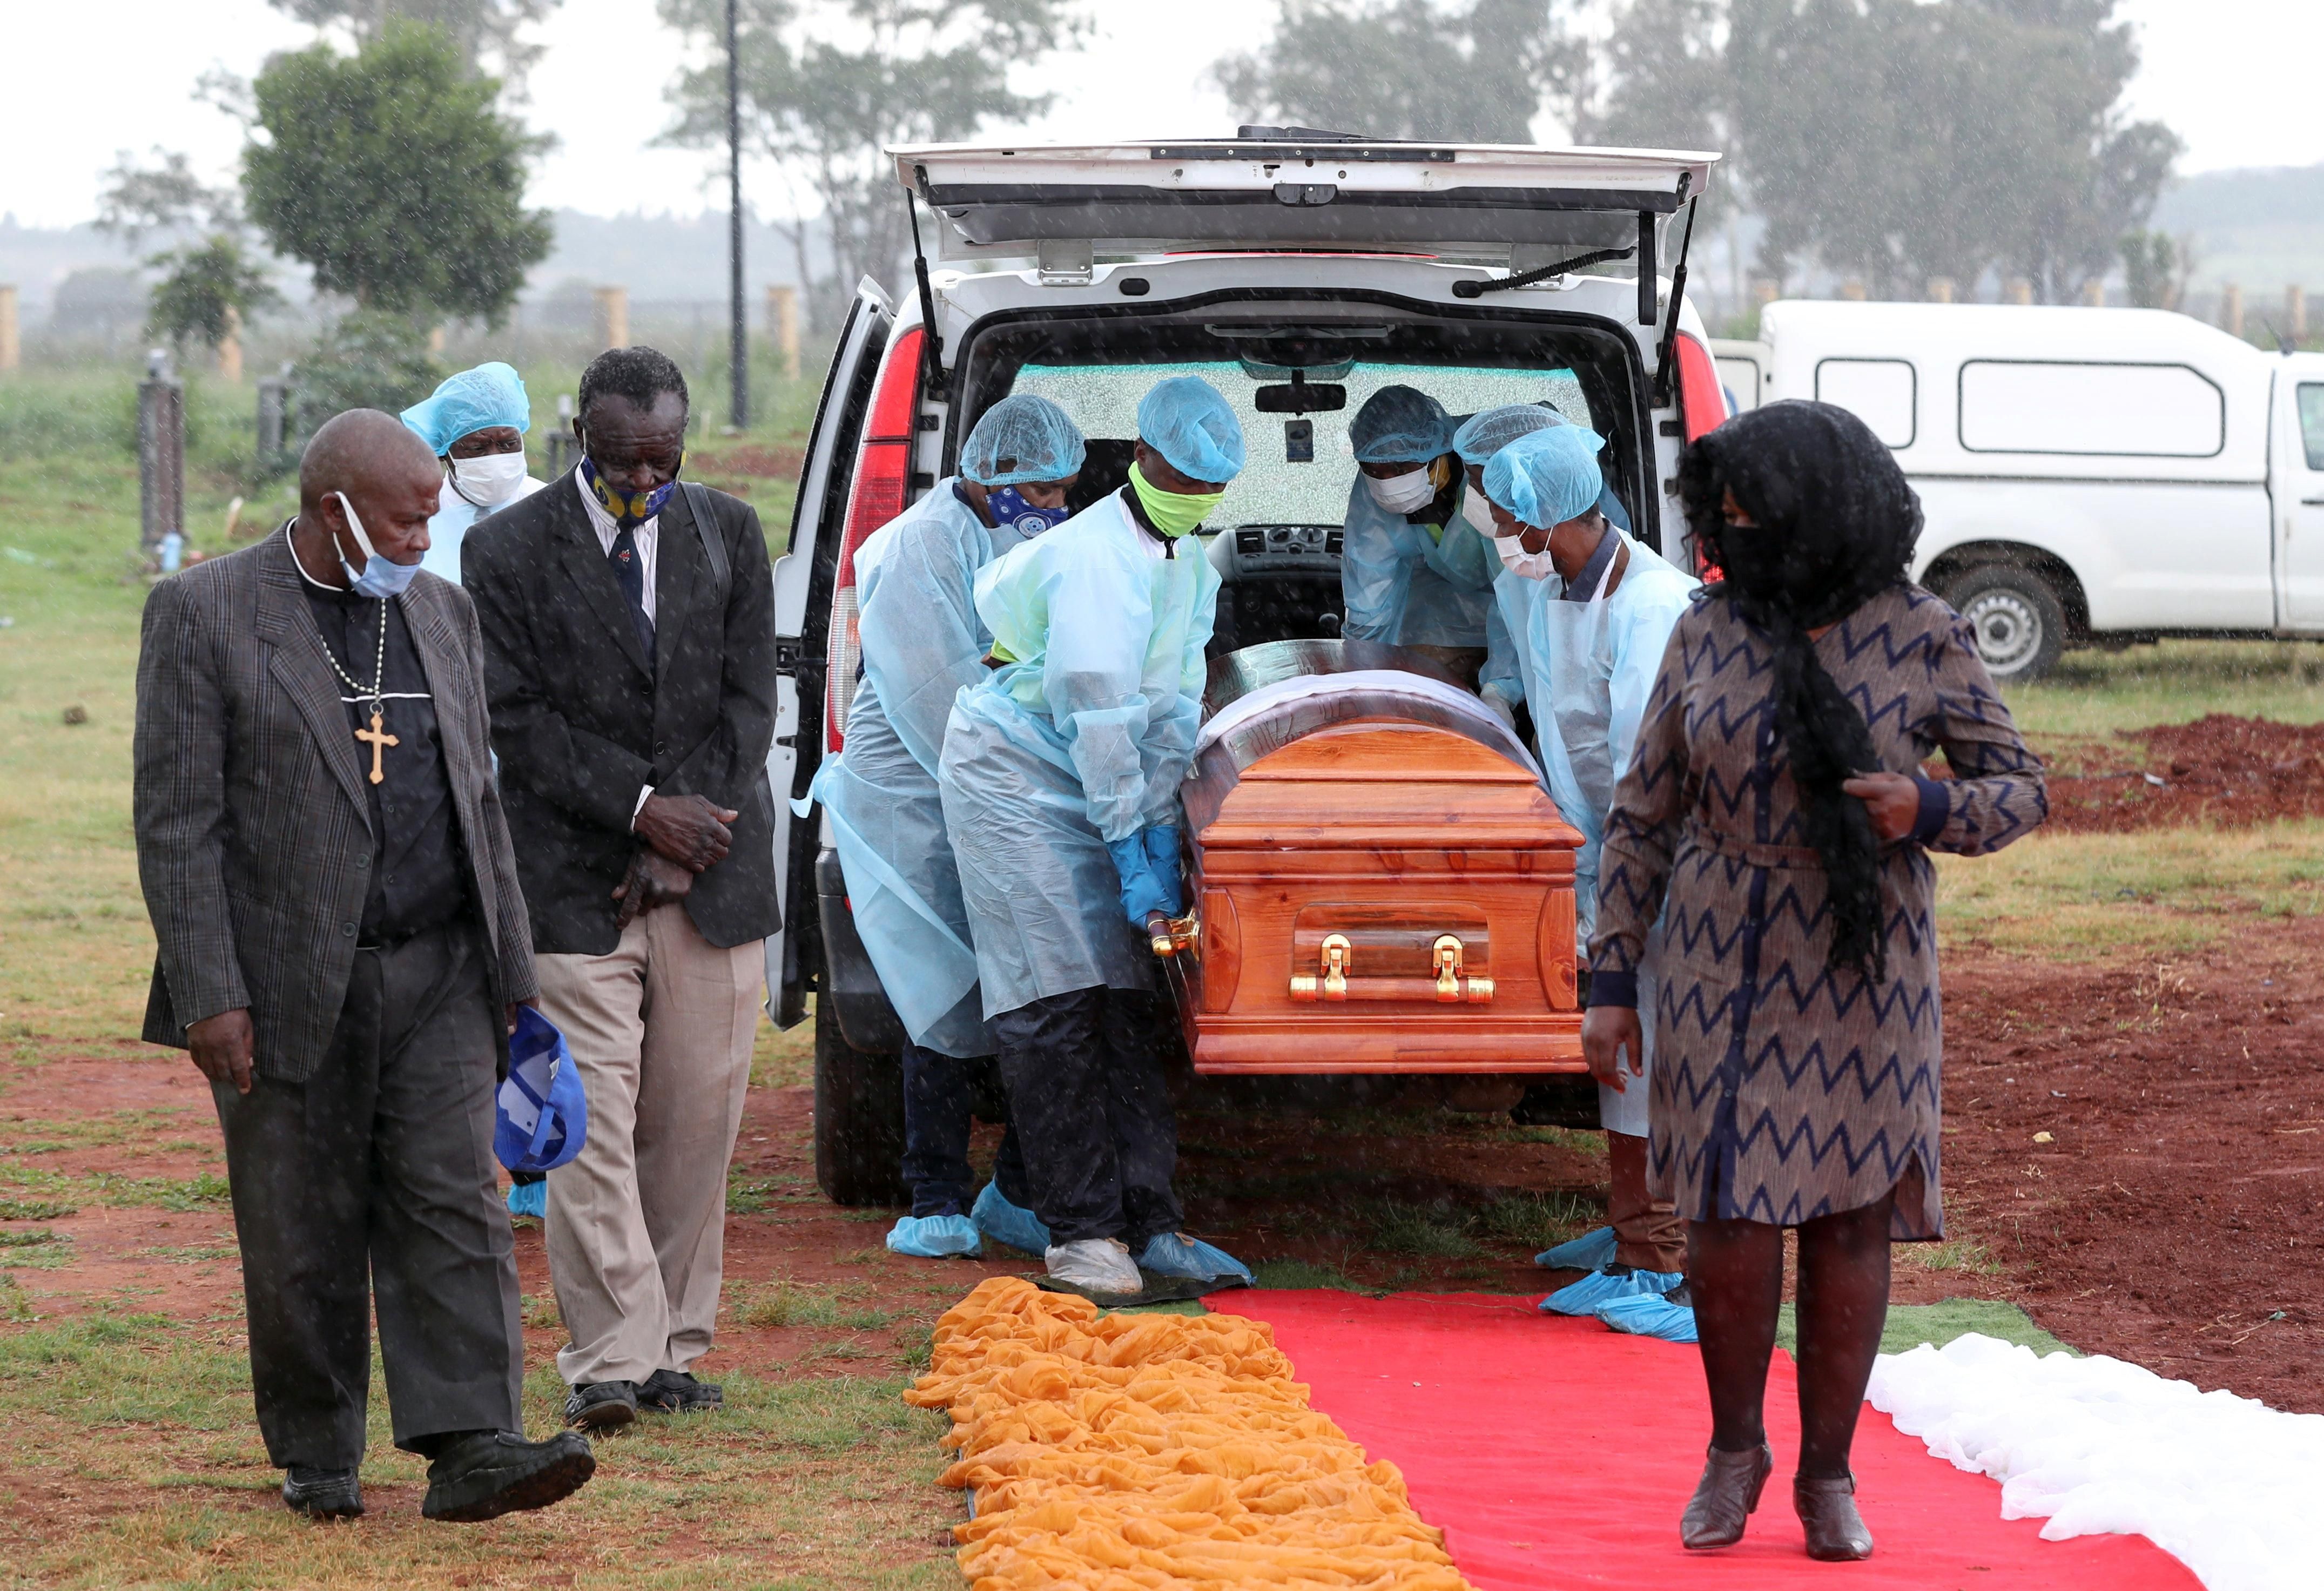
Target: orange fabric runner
1157	1451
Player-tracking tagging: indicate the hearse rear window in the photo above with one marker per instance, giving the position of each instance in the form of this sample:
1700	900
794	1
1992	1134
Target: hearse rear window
1276	486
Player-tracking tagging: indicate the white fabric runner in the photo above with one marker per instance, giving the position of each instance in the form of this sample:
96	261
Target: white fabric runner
1267	698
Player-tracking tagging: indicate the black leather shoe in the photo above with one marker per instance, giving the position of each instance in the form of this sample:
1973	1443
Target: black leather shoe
492	1473
322	1494
675	1392
1724	1498
1827	1509
602	1405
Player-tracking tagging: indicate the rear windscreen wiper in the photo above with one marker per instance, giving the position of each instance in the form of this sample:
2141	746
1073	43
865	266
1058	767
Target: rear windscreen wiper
1501	284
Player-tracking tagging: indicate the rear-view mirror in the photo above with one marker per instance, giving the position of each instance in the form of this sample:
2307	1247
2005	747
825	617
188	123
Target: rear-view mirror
1300	397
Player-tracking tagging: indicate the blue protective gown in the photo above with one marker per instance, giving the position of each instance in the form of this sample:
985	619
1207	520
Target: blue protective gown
922	644
1408	586
454	515
1082	741
1586	669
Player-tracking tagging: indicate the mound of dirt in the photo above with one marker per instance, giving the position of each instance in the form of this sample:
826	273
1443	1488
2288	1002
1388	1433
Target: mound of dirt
774	464
2222	770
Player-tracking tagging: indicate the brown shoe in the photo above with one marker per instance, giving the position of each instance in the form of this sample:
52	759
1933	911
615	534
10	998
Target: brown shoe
1836	1532
1724	1498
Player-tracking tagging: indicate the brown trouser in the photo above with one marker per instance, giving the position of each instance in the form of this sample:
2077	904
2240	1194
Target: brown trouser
661	1030
1648	1234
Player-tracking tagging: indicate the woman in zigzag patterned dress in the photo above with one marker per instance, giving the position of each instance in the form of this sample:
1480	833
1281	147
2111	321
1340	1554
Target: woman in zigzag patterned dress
1775	831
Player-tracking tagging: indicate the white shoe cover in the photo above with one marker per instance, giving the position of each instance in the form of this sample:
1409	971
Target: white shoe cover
1101	1265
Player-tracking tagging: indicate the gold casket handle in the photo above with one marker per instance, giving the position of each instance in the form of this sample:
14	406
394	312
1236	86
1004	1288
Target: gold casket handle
1333	983
1174	937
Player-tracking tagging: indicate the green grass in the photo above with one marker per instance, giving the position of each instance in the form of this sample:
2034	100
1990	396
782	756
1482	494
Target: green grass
203	1191
2083	897
1298	1274
787	1303
1910	1325
2093	693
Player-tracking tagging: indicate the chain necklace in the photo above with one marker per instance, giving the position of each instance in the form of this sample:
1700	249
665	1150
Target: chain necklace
375	736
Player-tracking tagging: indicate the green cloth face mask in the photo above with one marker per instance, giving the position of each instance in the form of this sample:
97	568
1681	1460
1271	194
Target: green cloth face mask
1174	513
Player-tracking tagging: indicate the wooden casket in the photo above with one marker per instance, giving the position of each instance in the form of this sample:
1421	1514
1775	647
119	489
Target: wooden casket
1378	880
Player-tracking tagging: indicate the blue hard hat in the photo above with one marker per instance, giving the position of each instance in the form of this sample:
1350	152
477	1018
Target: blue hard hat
1185	420
473	401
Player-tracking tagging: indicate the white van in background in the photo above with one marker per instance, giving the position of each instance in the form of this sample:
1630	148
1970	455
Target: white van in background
2090	476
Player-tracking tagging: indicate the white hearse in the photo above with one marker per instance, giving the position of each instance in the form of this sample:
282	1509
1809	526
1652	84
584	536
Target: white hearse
1297	271
2090	476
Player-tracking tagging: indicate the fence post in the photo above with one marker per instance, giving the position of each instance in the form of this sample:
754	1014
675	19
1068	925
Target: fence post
612	317
273	410
2231	309
1940	289
229	348
783	327
2094	292
2019	290
11	350
562	459
2295	313
160	452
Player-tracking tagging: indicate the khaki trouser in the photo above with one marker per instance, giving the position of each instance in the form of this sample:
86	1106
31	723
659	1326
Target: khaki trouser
1647	1232
661	1030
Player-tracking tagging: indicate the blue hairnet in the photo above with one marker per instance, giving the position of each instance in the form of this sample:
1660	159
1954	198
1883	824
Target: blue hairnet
1022	438
1186	421
1486	433
1400	425
1549	476
474	401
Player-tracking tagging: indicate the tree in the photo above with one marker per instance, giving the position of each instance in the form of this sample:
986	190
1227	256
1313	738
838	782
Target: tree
165	198
394	176
209	291
485	31
826	85
1404	68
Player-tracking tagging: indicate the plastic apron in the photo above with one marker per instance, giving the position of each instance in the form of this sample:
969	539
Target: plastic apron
1403	585
922	642
1081	742
1591	667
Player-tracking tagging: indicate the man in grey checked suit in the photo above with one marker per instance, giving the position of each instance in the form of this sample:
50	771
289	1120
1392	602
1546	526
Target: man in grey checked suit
342	947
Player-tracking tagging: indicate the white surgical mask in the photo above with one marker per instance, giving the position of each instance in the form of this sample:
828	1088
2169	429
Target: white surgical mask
1401	494
380	578
1526	565
489	480
1478	509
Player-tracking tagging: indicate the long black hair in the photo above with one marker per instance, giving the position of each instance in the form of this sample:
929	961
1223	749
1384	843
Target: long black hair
1834	525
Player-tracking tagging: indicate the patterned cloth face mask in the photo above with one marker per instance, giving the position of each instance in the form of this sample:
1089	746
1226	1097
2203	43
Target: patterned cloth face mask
1010	508
630	509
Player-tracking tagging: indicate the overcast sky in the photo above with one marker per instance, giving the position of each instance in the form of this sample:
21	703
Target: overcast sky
2236	77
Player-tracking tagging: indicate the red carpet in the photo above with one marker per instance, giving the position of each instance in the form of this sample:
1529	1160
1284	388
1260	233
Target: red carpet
1555	1453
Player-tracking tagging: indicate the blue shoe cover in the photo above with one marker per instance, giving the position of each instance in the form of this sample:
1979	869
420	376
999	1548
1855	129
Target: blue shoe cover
1649	1315
936	1237
529	1199
1592	1251
1174	1254
1007	1223
1583	1297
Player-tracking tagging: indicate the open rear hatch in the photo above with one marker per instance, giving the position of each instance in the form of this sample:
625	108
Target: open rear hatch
1290	190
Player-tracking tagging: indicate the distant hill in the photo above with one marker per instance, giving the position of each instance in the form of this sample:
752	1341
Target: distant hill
660	259
2263	228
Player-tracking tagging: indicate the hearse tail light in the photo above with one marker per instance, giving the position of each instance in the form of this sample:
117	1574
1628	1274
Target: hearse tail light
883	472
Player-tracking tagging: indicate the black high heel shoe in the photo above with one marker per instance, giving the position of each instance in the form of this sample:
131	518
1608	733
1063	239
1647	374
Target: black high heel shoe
1724	1498
1827	1509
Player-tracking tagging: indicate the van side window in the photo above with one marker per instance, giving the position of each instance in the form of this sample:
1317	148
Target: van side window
1884	393
2311	422
2038	406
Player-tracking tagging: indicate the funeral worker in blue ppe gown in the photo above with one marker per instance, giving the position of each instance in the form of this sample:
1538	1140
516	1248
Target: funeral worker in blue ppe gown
475	424
1415	571
1592	612
1060	778
922	645
1482	434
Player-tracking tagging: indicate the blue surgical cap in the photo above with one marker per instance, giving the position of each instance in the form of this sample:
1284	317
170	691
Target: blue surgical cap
1186	421
474	401
1487	433
1400	425
1548	477
1022	438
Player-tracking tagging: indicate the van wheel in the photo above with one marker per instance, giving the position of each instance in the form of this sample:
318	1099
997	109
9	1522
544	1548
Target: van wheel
2019	623
859	1118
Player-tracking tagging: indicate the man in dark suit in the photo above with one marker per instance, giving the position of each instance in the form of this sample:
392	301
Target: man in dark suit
628	638
342	947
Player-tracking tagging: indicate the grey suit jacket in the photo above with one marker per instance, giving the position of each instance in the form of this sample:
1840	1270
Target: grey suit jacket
253	832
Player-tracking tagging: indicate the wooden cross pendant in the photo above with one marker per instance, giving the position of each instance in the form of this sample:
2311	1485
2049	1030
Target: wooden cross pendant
380	743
